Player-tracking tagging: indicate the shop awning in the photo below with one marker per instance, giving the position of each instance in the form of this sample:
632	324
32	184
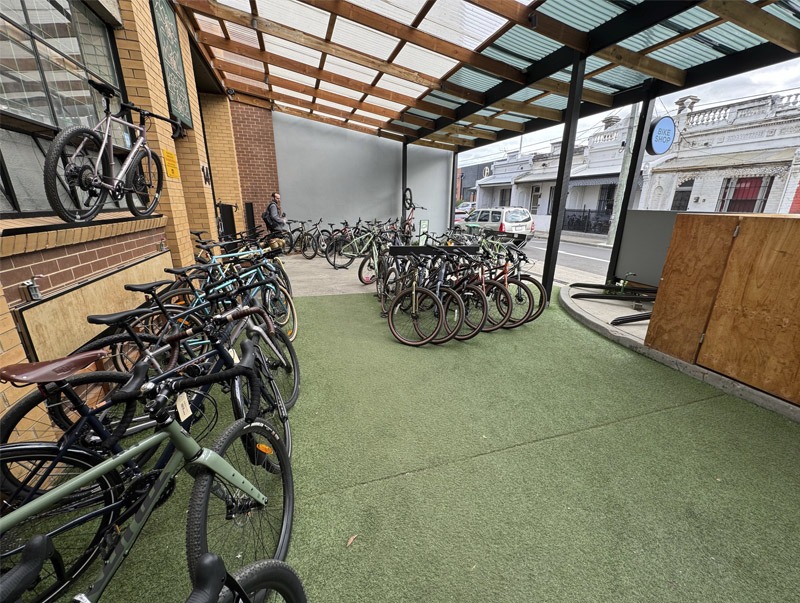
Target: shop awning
496	180
728	160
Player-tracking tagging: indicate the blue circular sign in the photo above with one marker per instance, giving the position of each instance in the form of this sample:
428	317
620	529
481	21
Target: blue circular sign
662	135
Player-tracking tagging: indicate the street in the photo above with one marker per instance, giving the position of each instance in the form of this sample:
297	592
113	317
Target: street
576	261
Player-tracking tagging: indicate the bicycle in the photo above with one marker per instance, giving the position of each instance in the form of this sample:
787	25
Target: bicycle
79	167
243	484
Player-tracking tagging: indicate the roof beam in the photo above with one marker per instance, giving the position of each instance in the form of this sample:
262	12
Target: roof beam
340	124
555	86
463	142
422	39
308	70
467	131
495	122
529	110
254	74
436	145
757	21
579	40
272	28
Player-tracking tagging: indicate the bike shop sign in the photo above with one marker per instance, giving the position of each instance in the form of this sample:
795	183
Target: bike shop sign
662	135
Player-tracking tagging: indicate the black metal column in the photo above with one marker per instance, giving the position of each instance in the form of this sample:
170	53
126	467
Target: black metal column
453	191
637	155
564	169
404	181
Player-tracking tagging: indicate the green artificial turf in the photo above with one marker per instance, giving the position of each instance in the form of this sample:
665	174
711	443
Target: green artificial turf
540	464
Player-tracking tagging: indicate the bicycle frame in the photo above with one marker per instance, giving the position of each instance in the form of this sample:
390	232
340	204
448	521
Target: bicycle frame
187	450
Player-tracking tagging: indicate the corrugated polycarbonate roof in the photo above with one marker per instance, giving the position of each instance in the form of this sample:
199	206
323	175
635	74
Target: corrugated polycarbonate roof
450	73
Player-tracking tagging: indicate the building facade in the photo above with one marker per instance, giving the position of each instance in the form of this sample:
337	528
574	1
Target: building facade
52	274
467	176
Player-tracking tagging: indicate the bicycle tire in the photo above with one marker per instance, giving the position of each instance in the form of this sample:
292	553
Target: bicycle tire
389	289
339	259
144	174
415	321
77	177
323	238
122	351
280	306
285	368
282	276
500	305
453	312
476	308
297	235
366	270
539	295
523	303
79	545
308	246
256	451
264	578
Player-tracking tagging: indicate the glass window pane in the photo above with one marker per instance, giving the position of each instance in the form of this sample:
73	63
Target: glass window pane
21	89
95	45
69	90
25	163
52	20
12	9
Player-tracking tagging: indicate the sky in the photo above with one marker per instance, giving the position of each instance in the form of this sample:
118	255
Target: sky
777	79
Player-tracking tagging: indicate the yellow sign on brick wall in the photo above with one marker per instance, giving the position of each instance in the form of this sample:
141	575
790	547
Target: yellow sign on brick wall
171	164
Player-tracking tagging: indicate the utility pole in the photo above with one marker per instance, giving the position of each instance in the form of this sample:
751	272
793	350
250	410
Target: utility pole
623	174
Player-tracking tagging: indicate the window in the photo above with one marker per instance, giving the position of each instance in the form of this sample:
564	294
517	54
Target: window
483	216
536	194
551	197
605	201
505	197
680	202
49	49
496	216
744	195
519	214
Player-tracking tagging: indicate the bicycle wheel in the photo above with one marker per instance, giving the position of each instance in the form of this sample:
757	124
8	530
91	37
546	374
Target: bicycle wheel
522	303
389	289
366	270
143	183
539	295
280	306
282	276
122	351
225	520
453	311
267	580
323	238
476	308
282	361
69	170
415	317
308	246
46	418
78	545
500	305
340	260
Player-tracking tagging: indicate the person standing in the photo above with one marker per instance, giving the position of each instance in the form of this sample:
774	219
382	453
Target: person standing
272	215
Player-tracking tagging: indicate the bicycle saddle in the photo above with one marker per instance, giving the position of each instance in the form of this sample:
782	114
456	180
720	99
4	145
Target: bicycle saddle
148	287
116	317
103	89
50	370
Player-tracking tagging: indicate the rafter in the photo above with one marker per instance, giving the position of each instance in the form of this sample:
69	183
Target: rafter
529	110
467	131
310	71
436	145
757	21
422	39
215	9
462	142
555	86
495	122
340	124
579	40
254	74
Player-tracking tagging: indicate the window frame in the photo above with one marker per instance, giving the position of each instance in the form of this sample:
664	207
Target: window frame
728	189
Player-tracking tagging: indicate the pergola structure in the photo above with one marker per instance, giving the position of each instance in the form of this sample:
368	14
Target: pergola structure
459	74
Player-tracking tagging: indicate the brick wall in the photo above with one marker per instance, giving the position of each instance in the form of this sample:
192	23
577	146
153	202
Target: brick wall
11	352
255	153
65	266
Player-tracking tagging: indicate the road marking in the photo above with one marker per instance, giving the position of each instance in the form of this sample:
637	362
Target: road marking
586	257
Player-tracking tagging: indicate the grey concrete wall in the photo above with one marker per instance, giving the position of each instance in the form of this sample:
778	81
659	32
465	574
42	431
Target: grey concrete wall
335	173
430	175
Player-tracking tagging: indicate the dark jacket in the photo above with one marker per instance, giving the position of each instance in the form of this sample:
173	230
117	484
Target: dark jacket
272	217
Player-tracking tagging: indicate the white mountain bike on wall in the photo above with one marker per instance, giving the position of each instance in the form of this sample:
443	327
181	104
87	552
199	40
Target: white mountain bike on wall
79	168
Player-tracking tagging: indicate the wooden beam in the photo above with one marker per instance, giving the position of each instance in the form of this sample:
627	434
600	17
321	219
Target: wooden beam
463	142
495	122
556	30
562	89
643	64
325	76
272	28
757	21
254	74
422	39
436	145
467	131
340	124
529	110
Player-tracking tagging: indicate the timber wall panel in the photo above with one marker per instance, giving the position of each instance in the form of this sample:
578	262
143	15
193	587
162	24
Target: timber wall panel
693	270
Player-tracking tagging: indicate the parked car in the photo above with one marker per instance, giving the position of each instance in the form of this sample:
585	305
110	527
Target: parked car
506	223
463	210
